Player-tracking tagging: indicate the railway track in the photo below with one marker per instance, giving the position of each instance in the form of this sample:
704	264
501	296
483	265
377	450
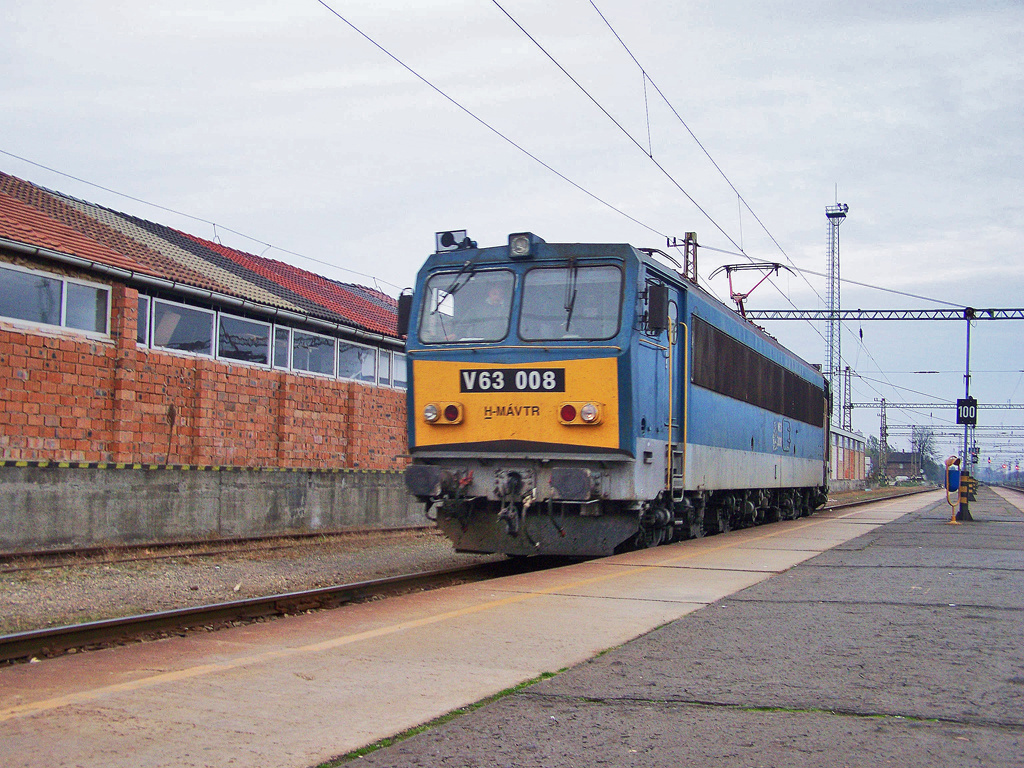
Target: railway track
27	560
53	641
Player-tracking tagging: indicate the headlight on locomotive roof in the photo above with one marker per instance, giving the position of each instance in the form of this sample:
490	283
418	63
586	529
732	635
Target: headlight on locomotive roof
588	414
443	413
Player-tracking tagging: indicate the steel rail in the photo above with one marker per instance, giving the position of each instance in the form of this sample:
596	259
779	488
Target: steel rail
119	553
51	641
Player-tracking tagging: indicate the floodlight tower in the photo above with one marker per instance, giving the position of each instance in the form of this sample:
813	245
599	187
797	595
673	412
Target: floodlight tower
836	215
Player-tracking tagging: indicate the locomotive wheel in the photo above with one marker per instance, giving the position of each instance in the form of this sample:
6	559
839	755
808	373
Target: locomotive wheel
789	511
695	523
724	519
718	517
719	520
693	514
806	503
648	537
654	523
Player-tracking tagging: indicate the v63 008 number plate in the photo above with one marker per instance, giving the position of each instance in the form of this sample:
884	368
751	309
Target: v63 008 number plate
512	380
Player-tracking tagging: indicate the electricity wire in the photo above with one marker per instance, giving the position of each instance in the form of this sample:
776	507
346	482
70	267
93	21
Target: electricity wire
200	219
617	124
675	112
483	122
649	155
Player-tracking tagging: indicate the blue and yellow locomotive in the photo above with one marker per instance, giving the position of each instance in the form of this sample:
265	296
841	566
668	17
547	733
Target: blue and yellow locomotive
580	399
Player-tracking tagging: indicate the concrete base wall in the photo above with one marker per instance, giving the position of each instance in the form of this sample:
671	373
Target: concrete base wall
49	506
847	485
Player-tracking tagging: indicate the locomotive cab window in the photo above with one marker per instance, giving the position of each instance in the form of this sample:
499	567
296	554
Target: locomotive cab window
571	303
470	306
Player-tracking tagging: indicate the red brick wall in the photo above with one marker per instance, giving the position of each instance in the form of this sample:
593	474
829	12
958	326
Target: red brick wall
67	398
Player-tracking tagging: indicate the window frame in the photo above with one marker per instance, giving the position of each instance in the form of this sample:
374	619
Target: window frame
334	356
274	330
376	362
524	287
144	341
288	348
395	366
270	340
212	355
64	281
455	274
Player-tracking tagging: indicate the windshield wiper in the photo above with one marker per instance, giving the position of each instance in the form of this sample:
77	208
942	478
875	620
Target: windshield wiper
570	293
470	268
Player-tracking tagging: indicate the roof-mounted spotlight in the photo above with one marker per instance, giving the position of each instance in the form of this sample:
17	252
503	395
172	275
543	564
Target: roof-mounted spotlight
453	240
523	245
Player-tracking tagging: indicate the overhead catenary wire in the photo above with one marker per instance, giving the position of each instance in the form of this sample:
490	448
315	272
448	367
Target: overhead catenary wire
619	125
483	122
649	155
851	282
802	272
675	112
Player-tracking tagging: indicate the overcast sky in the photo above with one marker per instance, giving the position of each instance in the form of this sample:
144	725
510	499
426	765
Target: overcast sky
280	121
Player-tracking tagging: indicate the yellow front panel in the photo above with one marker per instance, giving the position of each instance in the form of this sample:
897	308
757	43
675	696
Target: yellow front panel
530	415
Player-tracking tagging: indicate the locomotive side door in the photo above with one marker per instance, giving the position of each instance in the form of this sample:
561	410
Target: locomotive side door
678	343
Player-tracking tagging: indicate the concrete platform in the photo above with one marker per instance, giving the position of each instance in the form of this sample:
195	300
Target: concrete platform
301	690
902	647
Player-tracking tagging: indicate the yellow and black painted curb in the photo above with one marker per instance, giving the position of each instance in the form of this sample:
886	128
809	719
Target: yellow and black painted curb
47	464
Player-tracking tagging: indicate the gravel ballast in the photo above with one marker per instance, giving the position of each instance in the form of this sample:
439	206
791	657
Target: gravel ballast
90	591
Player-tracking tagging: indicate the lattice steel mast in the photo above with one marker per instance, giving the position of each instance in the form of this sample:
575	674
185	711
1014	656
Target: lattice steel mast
847	401
836	215
883	444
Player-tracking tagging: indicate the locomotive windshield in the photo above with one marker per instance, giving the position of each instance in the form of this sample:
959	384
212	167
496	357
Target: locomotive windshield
467	306
571	303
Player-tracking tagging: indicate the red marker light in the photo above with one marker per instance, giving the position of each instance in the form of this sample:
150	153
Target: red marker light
451	412
568	412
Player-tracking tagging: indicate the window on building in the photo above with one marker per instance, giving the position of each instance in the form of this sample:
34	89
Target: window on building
167	325
312	352
35	297
142	325
399	371
30	296
282	346
247	341
183	329
86	307
357	362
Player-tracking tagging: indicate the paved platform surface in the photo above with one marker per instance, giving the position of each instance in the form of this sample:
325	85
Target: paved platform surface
901	644
901	647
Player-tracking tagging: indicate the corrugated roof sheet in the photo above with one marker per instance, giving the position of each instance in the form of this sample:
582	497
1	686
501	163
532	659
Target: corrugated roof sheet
35	216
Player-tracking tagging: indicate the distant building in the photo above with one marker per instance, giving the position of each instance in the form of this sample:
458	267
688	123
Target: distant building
900	466
848	460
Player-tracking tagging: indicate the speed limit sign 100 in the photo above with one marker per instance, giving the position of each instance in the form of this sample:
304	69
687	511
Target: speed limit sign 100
967	411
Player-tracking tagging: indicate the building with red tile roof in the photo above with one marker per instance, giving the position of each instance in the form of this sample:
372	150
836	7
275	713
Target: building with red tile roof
124	340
